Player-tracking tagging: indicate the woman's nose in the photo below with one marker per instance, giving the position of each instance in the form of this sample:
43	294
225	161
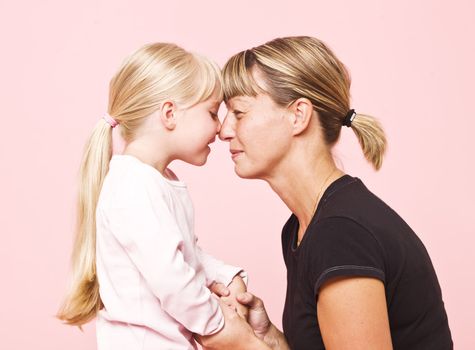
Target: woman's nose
227	129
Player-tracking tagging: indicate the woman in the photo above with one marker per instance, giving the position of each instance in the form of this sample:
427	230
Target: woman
358	276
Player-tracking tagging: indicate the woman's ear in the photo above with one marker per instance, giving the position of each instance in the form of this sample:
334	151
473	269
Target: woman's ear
302	113
168	115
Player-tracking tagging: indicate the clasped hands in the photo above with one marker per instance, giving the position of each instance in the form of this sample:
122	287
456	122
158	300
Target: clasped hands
246	320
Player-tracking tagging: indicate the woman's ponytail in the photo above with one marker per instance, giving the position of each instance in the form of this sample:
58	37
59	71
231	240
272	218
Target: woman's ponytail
371	137
302	66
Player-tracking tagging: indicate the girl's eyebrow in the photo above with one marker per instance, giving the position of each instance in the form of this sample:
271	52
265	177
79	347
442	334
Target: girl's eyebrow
215	103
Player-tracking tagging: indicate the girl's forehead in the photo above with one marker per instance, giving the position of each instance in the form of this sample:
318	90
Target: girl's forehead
214	99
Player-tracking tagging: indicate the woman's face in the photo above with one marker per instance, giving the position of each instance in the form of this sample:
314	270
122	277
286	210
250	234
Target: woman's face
259	133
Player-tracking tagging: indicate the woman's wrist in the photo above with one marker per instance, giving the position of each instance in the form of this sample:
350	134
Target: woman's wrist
257	344
275	339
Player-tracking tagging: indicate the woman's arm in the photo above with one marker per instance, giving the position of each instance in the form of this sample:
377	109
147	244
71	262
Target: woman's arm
352	314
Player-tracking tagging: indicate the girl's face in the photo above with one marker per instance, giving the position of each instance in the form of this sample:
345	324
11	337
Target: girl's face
259	133
198	126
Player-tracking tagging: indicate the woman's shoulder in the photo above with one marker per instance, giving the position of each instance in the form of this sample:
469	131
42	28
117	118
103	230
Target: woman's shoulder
349	197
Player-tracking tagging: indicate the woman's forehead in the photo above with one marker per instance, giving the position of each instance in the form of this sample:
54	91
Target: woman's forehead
242	101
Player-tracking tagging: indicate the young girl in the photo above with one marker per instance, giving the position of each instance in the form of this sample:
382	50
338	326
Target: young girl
136	264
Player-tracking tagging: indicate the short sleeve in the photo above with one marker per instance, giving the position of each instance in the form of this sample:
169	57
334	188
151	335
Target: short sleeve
340	247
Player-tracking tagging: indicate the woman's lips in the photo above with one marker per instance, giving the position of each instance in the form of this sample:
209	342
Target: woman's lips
235	153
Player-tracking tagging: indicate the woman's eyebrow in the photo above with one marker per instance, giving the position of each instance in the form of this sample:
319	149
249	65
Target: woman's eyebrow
238	105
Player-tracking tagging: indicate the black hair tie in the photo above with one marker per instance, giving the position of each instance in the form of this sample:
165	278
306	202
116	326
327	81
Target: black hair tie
349	118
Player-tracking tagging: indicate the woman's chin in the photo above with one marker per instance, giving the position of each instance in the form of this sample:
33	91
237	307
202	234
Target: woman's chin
245	173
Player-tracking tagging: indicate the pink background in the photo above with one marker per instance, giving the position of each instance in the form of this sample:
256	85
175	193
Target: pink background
412	64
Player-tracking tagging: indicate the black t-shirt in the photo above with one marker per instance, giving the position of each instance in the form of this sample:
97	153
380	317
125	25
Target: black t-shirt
354	233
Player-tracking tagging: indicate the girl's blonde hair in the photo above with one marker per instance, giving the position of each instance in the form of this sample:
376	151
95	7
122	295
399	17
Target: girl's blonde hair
295	67
154	73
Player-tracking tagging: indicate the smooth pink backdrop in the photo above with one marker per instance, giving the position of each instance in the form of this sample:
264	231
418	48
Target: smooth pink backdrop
412	64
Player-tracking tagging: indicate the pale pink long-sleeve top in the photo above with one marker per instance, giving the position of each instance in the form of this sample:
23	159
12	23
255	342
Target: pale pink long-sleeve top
153	277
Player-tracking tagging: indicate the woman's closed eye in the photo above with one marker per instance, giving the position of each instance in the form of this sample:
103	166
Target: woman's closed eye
238	114
214	115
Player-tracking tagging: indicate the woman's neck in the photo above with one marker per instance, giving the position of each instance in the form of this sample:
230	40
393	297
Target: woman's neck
301	184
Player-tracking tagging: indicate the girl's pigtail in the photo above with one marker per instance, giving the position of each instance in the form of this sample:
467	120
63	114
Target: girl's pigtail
83	301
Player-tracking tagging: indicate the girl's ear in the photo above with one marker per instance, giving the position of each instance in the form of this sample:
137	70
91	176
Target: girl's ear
302	113
168	114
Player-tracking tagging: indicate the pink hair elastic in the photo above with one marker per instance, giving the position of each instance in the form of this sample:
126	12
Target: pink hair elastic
111	121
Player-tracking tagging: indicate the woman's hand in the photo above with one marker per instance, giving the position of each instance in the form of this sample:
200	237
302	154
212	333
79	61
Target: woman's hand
260	322
236	334
229	294
257	318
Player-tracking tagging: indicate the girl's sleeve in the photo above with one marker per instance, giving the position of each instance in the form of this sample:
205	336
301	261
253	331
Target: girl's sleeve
145	227
218	271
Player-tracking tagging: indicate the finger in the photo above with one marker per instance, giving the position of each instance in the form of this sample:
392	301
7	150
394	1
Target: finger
250	300
244	298
242	311
219	289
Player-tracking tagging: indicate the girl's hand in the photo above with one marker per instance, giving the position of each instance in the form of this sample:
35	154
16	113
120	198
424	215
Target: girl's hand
219	289
236	287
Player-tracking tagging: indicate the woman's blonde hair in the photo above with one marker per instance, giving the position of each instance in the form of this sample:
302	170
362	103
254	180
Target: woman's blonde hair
154	73
295	67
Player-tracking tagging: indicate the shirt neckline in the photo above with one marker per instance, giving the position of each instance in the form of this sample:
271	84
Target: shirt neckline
332	188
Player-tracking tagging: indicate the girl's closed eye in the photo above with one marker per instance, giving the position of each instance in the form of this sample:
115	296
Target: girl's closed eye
213	114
